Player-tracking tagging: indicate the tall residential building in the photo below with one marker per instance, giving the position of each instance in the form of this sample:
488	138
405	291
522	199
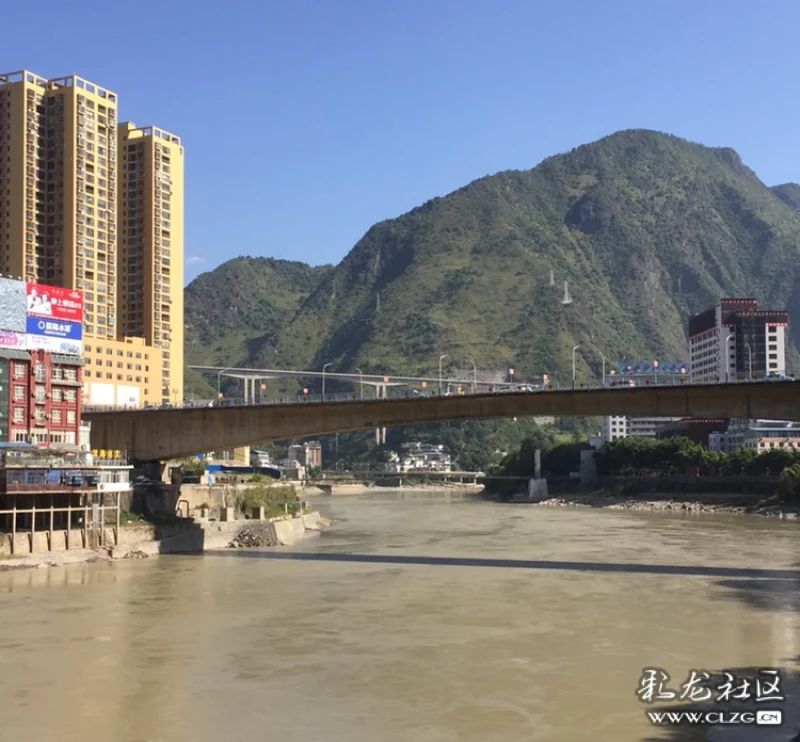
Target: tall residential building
736	340
151	240
79	209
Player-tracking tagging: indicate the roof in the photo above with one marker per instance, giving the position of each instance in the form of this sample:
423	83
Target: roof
67	360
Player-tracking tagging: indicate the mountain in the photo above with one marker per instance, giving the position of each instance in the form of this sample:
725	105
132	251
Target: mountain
645	227
789	193
240	308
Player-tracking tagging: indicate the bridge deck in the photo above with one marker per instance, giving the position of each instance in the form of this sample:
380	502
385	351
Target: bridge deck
170	433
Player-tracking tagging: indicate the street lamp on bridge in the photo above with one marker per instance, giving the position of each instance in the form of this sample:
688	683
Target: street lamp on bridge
573	364
219	382
361	380
441	358
323	379
728	358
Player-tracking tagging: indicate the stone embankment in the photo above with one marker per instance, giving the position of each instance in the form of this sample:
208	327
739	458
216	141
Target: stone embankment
140	542
737	504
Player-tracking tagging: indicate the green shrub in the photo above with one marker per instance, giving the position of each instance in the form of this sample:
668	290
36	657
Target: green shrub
271	498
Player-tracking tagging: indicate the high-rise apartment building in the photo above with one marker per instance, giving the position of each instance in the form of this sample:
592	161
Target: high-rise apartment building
90	204
151	240
736	340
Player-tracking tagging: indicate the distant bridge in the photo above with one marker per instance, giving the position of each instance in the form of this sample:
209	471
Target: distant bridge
162	434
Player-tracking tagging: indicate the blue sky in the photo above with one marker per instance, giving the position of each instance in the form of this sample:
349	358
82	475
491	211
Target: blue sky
305	121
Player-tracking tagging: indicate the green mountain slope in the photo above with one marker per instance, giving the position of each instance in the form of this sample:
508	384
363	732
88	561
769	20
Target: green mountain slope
789	193
645	227
238	309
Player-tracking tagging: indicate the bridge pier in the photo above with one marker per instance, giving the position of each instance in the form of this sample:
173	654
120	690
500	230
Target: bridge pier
380	433
153	469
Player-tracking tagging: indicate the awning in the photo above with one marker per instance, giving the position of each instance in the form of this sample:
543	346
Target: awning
15	355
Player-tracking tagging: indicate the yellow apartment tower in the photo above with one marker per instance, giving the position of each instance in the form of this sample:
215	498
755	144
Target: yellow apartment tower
92	204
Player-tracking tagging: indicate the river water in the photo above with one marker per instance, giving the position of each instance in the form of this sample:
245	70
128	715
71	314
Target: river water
456	621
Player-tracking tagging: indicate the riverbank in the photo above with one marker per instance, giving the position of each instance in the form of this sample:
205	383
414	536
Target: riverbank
773	506
334	489
142	541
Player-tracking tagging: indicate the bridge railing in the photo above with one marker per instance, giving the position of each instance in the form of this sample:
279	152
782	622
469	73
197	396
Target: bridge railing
332	397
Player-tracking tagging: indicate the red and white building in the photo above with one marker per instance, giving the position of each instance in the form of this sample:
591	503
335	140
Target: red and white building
40	397
736	340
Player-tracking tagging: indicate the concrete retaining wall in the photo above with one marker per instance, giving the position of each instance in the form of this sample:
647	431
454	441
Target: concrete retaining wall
186	537
288	532
208	536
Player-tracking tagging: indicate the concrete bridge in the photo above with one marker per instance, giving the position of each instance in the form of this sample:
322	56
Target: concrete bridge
159	435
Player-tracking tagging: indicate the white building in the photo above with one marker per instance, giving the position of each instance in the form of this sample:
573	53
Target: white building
621	426
735	340
260	458
420	457
759	435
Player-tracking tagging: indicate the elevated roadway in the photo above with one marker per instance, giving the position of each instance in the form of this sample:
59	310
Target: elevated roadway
162	434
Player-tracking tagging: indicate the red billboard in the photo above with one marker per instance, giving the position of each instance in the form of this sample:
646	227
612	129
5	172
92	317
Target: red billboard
54	301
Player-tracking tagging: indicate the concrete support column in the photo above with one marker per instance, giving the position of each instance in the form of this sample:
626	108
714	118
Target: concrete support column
383	430
377	430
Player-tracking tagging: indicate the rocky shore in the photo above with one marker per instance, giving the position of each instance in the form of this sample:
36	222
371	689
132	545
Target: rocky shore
772	506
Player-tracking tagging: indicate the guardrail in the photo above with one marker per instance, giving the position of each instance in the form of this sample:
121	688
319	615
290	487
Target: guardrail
411	394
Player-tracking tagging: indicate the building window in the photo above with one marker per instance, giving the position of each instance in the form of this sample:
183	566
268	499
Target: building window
19	414
19	370
56	416
39	393
71	416
71	374
19	393
58	394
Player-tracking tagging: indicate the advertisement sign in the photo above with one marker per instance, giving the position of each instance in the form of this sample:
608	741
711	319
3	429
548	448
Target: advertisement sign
54	301
65	346
54	328
13	340
13	307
